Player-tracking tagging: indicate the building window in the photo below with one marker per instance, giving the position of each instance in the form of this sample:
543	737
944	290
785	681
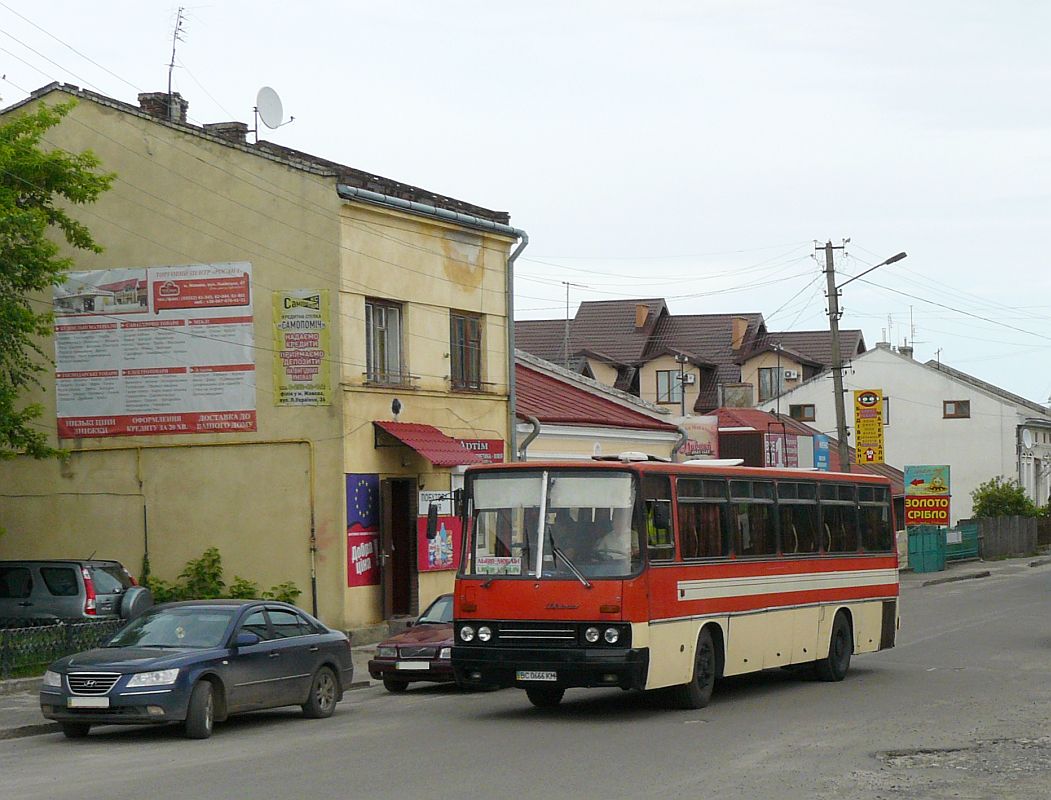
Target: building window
956	409
771	382
465	350
803	412
669	386
383	342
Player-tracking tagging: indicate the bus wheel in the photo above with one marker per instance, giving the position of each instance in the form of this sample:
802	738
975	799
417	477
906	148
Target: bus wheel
840	647
545	696
698	691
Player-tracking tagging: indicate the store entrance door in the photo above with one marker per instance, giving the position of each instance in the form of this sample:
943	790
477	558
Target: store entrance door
398	547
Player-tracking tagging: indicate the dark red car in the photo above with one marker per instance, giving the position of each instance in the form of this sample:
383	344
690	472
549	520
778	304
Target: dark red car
420	653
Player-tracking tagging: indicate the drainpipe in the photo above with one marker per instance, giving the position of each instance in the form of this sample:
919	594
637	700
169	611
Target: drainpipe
467	221
684	437
521	454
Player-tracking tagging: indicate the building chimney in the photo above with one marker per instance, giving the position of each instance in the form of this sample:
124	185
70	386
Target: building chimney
236	132
740	328
641	312
906	350
164	106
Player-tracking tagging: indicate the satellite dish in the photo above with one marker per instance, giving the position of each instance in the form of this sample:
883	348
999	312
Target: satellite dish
268	104
1027	439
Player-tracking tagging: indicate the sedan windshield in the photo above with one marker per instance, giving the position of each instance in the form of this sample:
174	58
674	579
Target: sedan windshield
565	524
177	627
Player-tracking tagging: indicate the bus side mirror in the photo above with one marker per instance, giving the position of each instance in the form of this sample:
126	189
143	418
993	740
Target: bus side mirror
661	516
432	520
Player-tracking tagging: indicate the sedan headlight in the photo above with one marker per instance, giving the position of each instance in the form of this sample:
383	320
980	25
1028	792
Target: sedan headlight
467	633
387	652
591	635
52	679
484	633
445	654
611	635
161	677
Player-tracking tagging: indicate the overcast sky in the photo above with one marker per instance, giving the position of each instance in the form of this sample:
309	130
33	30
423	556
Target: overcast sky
687	150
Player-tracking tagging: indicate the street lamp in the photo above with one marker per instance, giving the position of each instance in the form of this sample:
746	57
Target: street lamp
837	356
681	359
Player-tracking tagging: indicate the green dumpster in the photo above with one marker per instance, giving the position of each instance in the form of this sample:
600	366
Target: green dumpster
927	548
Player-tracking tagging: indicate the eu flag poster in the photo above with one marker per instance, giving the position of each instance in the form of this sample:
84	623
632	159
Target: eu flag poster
363	529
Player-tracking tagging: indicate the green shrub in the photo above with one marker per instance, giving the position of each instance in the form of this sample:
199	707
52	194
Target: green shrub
1001	497
202	579
243	589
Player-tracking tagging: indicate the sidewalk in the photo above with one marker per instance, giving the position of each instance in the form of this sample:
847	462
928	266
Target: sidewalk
20	707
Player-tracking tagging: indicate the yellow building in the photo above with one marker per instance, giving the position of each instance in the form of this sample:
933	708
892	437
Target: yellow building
275	355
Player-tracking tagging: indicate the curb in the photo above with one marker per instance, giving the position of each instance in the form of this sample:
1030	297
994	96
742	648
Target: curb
30	730
953	578
1040	562
16	685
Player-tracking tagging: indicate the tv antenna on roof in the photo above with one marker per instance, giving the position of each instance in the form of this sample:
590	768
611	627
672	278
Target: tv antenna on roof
268	108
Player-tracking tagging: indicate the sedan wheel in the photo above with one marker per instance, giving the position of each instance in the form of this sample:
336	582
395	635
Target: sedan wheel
75	730
323	692
200	715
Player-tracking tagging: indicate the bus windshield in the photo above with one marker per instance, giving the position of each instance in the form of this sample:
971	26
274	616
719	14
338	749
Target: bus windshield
556	523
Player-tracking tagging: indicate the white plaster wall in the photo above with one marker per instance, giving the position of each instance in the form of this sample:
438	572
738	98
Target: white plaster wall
977	449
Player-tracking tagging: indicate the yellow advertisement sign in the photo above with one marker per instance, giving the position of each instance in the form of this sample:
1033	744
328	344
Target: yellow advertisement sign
301	348
868	426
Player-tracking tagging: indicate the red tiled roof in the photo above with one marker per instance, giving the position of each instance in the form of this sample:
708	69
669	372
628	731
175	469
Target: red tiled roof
763	421
552	400
429	442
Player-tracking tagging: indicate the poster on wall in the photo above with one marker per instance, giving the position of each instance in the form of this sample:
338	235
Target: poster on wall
782	449
363	529
703	439
491	451
821	456
443	551
155	351
302	348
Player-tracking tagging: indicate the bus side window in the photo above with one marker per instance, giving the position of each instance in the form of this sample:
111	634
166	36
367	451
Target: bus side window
660	541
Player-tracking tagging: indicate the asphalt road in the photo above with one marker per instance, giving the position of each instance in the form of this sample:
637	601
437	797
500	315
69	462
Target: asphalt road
958	710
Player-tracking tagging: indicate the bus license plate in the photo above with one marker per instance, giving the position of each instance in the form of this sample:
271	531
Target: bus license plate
534	675
87	702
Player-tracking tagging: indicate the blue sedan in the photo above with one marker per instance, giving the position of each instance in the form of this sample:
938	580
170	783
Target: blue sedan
198	662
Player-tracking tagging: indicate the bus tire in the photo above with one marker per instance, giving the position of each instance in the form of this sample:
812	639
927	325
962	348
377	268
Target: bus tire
698	691
545	696
840	647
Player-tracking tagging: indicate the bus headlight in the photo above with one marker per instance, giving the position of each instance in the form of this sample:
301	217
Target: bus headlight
485	633
612	635
591	634
467	633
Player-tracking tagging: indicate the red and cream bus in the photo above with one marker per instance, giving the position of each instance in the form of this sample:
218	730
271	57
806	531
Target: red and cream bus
646	575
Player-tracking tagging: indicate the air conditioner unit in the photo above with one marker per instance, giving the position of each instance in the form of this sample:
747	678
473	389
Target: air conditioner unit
689	379
791	374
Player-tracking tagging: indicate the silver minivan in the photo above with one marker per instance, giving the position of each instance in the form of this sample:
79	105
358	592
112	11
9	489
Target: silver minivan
69	589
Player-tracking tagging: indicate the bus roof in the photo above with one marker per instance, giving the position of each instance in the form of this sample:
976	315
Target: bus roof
693	469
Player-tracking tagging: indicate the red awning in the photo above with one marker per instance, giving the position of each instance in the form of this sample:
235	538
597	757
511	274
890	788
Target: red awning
429	442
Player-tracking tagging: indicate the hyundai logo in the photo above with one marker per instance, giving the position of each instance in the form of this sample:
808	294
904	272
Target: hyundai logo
90	683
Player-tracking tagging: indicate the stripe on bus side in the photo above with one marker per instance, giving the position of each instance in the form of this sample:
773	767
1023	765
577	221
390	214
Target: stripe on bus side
750	586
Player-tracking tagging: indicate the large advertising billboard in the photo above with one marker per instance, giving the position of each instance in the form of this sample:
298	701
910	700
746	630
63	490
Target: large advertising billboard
155	351
927	495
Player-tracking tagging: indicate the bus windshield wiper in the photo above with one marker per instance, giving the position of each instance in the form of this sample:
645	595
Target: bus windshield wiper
572	567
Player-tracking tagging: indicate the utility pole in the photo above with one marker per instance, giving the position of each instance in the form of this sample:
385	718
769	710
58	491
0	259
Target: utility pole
837	356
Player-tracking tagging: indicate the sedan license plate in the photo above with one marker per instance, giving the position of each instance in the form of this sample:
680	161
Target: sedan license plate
413	665
534	675
87	702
